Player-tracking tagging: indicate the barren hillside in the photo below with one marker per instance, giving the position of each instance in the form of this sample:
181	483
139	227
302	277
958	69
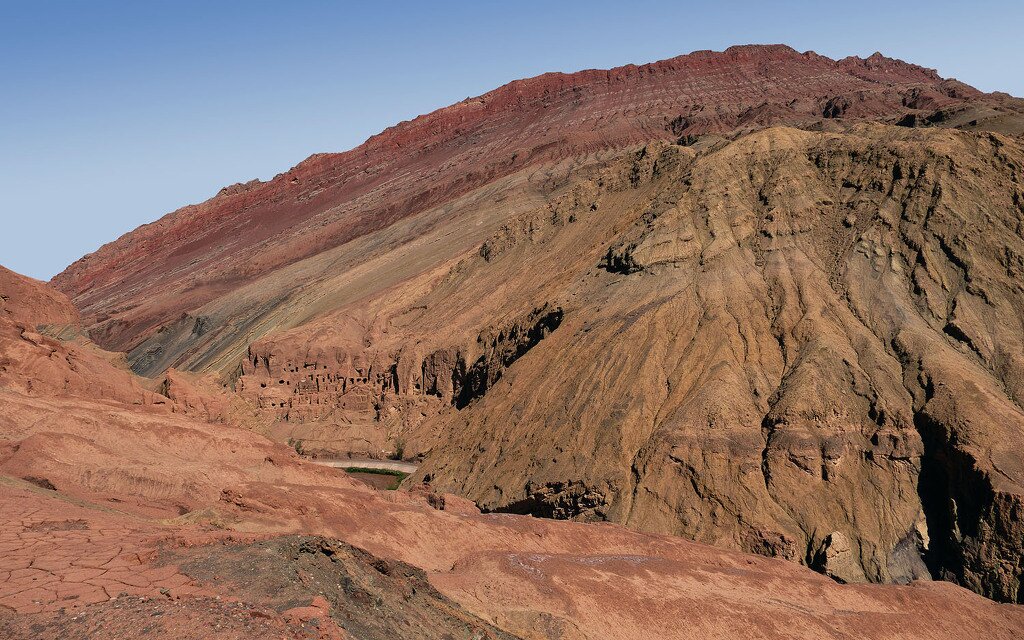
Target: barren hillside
760	299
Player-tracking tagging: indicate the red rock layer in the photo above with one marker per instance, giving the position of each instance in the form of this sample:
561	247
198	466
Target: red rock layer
29	301
34	361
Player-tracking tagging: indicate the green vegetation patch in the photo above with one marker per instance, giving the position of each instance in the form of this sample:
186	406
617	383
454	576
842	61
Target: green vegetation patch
401	475
397	476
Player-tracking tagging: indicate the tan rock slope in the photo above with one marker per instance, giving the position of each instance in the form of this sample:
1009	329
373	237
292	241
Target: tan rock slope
760	299
804	344
797	343
140	522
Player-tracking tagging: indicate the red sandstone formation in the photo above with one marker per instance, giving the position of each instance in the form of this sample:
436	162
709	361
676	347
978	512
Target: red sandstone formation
29	301
34	358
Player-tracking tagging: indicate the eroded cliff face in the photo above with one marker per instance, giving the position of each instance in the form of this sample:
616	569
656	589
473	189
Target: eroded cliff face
778	342
806	345
365	398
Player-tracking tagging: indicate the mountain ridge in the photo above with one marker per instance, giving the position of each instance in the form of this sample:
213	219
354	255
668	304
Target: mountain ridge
298	200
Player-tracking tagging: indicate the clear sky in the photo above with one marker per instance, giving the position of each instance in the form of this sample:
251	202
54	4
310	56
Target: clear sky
114	113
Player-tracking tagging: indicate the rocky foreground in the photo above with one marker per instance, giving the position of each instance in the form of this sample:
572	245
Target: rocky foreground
125	516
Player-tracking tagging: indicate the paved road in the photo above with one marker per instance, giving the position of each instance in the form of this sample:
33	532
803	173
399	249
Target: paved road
367	463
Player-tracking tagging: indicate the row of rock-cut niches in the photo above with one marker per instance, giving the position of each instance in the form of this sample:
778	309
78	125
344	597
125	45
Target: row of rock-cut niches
336	402
306	384
322	389
326	381
288	368
335	395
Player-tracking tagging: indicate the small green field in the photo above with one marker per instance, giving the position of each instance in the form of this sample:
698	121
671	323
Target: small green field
387	479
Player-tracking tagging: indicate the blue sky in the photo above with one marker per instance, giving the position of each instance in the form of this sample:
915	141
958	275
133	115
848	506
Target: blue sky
114	113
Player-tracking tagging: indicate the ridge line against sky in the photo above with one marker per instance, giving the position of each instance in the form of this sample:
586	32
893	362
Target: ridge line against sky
117	113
